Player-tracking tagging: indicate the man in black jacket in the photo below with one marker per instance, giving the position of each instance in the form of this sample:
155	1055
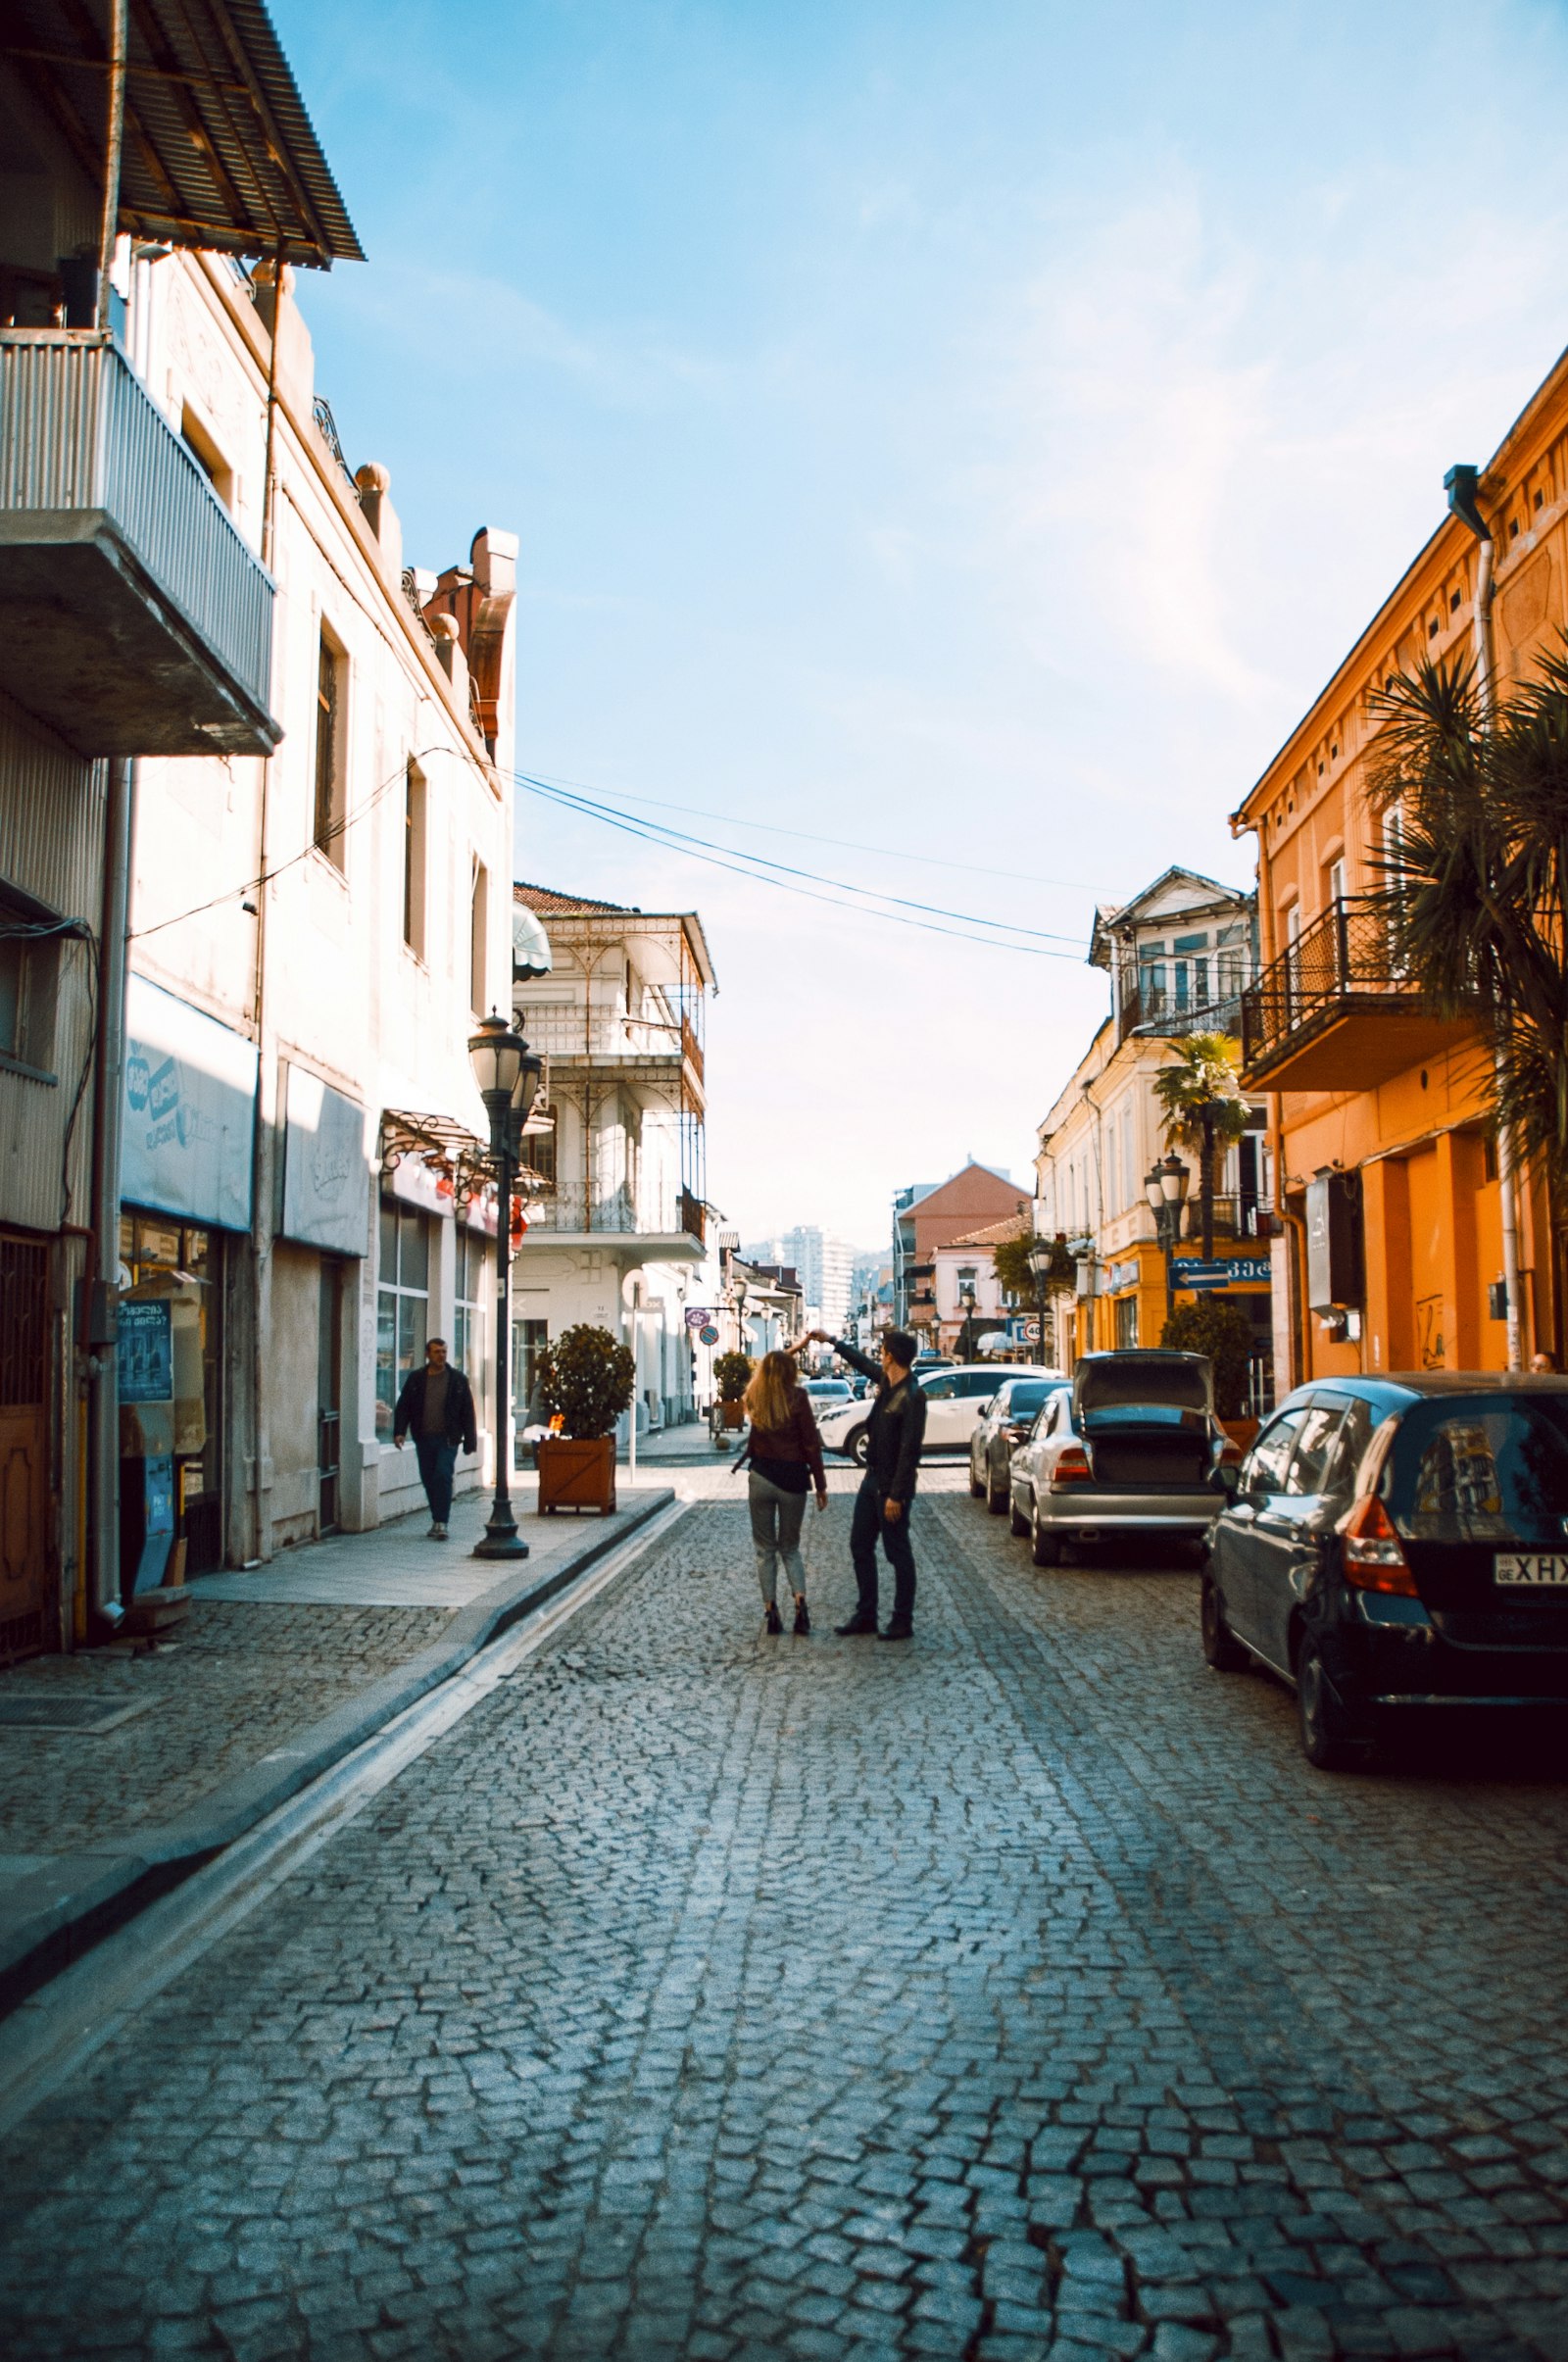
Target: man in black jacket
437	1403
894	1435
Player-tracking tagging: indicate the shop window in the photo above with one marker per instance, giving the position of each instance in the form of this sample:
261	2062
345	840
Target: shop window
1126	1323
332	669
159	1257
471	1287
403	1305
529	1340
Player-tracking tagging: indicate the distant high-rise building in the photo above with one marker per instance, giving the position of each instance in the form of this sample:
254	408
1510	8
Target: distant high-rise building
826	1266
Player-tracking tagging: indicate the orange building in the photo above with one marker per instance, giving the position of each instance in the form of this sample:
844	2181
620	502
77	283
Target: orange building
1399	1236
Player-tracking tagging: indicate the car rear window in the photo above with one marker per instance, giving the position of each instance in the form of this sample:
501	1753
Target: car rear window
1022	1400
1489	1470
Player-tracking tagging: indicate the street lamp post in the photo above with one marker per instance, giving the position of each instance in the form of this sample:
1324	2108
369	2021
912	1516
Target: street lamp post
1165	1186
740	1290
966	1296
1041	1251
506	1073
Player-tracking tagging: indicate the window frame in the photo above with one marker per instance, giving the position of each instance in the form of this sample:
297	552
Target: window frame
329	828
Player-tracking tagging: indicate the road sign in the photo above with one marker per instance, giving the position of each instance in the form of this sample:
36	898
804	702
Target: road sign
1233	1271
707	1333
698	1316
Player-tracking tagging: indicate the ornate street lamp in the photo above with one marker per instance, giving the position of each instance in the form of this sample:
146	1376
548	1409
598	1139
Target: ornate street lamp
740	1290
966	1296
1042	1254
1165	1184
508	1073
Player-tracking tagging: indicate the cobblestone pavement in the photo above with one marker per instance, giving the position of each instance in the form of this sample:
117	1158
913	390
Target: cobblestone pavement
1017	1992
237	1681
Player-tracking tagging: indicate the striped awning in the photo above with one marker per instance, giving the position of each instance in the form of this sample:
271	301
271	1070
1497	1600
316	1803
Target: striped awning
218	151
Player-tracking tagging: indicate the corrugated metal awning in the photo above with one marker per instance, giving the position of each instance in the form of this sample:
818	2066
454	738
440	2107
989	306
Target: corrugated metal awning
218	150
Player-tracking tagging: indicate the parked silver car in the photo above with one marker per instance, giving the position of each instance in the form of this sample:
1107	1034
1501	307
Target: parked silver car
1131	1448
1007	1421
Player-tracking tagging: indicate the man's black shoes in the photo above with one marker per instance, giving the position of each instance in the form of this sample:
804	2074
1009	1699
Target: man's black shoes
901	1629
857	1628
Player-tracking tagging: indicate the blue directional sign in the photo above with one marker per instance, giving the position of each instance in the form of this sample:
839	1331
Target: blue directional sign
1235	1272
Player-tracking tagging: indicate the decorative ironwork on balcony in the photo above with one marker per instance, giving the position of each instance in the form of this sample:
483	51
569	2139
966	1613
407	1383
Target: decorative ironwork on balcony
1337	1012
134	619
1152	1008
661	1215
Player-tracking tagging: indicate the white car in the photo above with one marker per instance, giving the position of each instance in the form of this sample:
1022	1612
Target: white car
827	1394
954	1399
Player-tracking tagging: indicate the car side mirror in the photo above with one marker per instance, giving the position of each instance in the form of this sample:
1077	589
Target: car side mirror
986	1408
1227	1479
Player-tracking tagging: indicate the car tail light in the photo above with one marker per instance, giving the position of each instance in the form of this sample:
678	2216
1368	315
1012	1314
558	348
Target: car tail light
1370	1548
1073	1468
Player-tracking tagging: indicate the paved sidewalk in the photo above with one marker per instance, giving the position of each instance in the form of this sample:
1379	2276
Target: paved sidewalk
136	1761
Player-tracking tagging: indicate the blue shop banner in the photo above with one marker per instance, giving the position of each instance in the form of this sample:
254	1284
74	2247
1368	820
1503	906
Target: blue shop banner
189	1114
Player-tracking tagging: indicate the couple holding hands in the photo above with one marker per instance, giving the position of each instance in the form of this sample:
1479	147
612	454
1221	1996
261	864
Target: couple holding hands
784	1455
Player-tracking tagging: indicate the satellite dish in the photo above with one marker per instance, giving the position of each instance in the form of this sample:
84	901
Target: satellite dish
531	954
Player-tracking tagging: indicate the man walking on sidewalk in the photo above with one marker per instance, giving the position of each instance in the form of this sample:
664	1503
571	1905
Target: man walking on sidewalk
437	1403
894	1435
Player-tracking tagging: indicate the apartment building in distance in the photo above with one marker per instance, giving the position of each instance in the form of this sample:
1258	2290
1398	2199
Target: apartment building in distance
1392	1254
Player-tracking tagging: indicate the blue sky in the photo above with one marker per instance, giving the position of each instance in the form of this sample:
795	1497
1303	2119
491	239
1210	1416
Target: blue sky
970	430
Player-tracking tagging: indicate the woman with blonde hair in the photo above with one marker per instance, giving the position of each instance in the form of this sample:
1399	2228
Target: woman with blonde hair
784	1453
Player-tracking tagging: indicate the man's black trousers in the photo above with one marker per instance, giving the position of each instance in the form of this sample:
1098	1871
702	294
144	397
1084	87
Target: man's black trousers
869	1526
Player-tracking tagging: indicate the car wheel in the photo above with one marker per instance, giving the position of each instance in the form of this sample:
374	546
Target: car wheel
976	1484
1328	1737
859	1446
995	1502
1044	1549
1017	1522
1221	1649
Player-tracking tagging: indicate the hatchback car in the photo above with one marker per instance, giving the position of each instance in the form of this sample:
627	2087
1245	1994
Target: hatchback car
1130	1447
1005	1422
954	1398
1398	1543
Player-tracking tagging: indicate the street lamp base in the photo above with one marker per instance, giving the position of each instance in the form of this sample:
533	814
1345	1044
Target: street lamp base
501	1541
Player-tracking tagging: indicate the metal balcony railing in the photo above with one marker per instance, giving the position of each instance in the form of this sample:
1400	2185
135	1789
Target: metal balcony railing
1344	960
1243	1217
619	1212
1149	1008
80	438
563	1030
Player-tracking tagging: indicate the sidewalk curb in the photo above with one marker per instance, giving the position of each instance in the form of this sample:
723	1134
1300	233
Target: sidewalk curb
48	1920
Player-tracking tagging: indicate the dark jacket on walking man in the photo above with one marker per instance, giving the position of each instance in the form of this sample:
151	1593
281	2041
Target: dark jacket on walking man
437	1404
894	1435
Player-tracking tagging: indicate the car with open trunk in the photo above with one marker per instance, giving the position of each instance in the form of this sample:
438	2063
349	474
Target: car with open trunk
1131	1448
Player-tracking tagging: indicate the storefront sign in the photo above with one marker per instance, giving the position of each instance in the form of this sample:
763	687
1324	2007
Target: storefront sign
146	1352
189	1111
1239	1271
327	1170
697	1316
1121	1275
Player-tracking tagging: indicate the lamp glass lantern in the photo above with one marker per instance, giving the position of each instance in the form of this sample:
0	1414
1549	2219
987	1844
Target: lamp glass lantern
497	1056
1174	1180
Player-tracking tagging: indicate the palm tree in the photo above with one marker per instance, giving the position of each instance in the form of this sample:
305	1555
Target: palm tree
1474	891
1204	1109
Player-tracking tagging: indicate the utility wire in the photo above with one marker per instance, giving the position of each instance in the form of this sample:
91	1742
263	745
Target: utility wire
1005	931
812	836
695	849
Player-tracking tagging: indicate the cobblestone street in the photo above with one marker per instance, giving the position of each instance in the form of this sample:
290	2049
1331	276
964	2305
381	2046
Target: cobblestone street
1017	1992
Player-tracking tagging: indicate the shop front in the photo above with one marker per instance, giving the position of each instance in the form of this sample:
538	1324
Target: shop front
189	1116
323	1239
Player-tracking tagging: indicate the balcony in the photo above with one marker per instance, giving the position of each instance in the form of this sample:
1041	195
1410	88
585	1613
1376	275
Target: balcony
1233	1217
1147	1009
134	619
1335	1013
632	1229
658	1050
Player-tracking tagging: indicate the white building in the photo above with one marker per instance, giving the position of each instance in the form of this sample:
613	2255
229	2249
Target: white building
613	999
825	1264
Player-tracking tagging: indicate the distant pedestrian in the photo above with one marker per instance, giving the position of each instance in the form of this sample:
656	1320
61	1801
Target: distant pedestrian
1543	1363
437	1404
784	1456
894	1435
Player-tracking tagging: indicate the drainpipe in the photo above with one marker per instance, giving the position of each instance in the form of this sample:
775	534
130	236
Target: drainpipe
109	1095
1462	484
114	141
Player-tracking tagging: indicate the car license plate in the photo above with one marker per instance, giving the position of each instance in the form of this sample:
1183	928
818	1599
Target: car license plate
1538	1570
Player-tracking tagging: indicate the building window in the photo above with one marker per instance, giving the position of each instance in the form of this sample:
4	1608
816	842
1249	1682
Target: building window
402	1307
529	1340
207	456
539	1149
30	968
1126	1323
469	1291
331	666
1336	881
414	838
478	938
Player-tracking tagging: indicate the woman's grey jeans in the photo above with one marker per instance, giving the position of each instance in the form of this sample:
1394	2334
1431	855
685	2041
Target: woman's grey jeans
777	1517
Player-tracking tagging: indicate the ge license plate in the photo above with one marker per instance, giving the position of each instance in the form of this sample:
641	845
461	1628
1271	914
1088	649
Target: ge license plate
1533	1571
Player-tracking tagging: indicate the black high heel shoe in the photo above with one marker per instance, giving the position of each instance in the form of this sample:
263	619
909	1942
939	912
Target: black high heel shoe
803	1622
772	1623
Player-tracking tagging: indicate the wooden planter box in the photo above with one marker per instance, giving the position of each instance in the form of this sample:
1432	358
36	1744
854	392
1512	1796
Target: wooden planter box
577	1474
733	1414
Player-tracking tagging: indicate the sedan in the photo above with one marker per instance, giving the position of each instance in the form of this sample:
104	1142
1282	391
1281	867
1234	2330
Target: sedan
1005	1421
1399	1544
1131	1448
827	1394
954	1399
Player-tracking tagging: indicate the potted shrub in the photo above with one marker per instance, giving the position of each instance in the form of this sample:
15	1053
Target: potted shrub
1223	1331
586	1380
733	1374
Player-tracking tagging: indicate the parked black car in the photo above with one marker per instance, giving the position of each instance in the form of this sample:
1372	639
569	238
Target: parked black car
1392	1544
1004	1423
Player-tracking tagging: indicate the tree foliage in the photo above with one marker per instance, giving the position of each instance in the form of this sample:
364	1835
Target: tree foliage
1473	880
1016	1272
587	1378
732	1375
1213	1326
1203	1076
